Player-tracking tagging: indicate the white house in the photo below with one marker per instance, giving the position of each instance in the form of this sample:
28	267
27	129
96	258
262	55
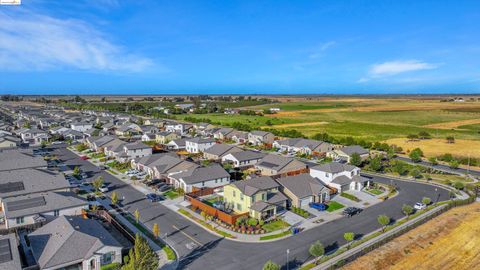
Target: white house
197	144
201	177
137	150
340	176
81	126
243	158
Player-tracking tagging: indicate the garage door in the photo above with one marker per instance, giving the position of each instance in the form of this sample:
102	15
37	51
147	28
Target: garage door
345	187
304	202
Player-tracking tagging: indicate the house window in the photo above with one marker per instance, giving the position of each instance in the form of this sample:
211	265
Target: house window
108	257
20	220
239	207
234	195
263	197
241	196
56	213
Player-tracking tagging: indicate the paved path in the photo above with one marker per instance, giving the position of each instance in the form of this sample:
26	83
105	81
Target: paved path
445	168
212	252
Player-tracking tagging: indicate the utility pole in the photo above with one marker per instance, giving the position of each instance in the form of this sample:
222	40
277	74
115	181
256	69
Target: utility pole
288	252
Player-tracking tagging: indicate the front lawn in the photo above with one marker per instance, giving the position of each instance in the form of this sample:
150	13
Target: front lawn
172	194
274	236
375	191
333	205
275	225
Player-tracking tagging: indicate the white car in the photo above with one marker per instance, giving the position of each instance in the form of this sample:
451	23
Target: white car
103	189
420	206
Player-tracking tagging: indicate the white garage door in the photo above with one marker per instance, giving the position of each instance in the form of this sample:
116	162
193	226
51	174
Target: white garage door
304	202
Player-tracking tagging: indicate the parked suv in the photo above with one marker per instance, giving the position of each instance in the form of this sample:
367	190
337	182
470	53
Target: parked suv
351	211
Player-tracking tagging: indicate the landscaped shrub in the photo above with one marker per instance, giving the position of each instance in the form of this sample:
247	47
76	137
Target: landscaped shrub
300	212
350	197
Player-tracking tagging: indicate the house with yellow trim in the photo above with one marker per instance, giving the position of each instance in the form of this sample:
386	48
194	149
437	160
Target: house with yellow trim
260	197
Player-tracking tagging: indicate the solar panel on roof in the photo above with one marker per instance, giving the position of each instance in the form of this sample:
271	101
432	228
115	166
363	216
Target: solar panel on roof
5	251
11	187
26	203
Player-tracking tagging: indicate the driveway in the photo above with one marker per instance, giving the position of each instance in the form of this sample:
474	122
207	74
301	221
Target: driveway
198	249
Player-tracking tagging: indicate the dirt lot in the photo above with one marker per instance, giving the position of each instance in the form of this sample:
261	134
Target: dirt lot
450	241
436	147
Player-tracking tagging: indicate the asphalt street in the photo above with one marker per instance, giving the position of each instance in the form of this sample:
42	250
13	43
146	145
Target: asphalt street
199	249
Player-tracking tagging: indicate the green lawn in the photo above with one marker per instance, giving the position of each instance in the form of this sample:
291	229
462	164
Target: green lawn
333	205
275	225
375	191
274	236
172	194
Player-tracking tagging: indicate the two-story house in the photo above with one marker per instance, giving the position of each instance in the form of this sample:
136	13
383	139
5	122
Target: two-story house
137	150
345	153
81	126
279	165
340	176
243	159
303	189
303	146
212	176
197	145
260	197
165	137
258	137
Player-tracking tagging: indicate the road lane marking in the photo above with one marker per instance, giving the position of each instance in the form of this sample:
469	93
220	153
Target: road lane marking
190	237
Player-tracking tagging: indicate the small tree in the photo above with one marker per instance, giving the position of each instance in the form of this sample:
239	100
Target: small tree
459	185
453	164
450	139
137	215
269	265
407	210
204	215
415	173
316	250
114	198
416	155
141	256
355	159
156	230
424	135
76	171
433	160
376	163
349	236
97	183
426	200
384	221
412	136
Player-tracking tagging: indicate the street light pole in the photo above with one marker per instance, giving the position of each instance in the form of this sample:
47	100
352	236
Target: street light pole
288	252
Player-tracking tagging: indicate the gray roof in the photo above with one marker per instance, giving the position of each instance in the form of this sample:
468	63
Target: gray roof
300	143
221	149
276	162
136	145
349	150
302	185
201	140
165	133
38	203
260	133
148	160
19	159
178	142
342	180
9	255
248	155
334	167
200	174
254	185
100	141
67	240
27	181
170	164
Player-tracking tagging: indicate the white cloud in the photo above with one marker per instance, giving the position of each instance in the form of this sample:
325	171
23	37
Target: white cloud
318	52
32	41
397	67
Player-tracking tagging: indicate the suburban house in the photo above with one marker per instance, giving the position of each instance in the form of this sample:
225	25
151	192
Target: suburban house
9	141
114	149
34	136
201	127
177	144
223	133
240	137
340	176
147	163
260	197
180	128
217	151
148	137
81	126
242	159
71	242
9	254
303	189
137	150
346	153
15	160
166	136
197	145
212	176
128	129
154	122
258	137
168	165
73	135
149	129
98	143
303	146
25	210
279	165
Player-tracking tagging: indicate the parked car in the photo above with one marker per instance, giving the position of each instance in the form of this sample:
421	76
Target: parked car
154	197
103	188
351	211
318	206
84	157
420	206
165	188
153	182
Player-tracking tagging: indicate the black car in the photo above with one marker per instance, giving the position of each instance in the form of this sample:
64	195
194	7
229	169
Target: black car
153	182
351	211
164	188
154	197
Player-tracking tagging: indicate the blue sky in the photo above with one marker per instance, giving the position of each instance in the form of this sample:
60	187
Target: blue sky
250	47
